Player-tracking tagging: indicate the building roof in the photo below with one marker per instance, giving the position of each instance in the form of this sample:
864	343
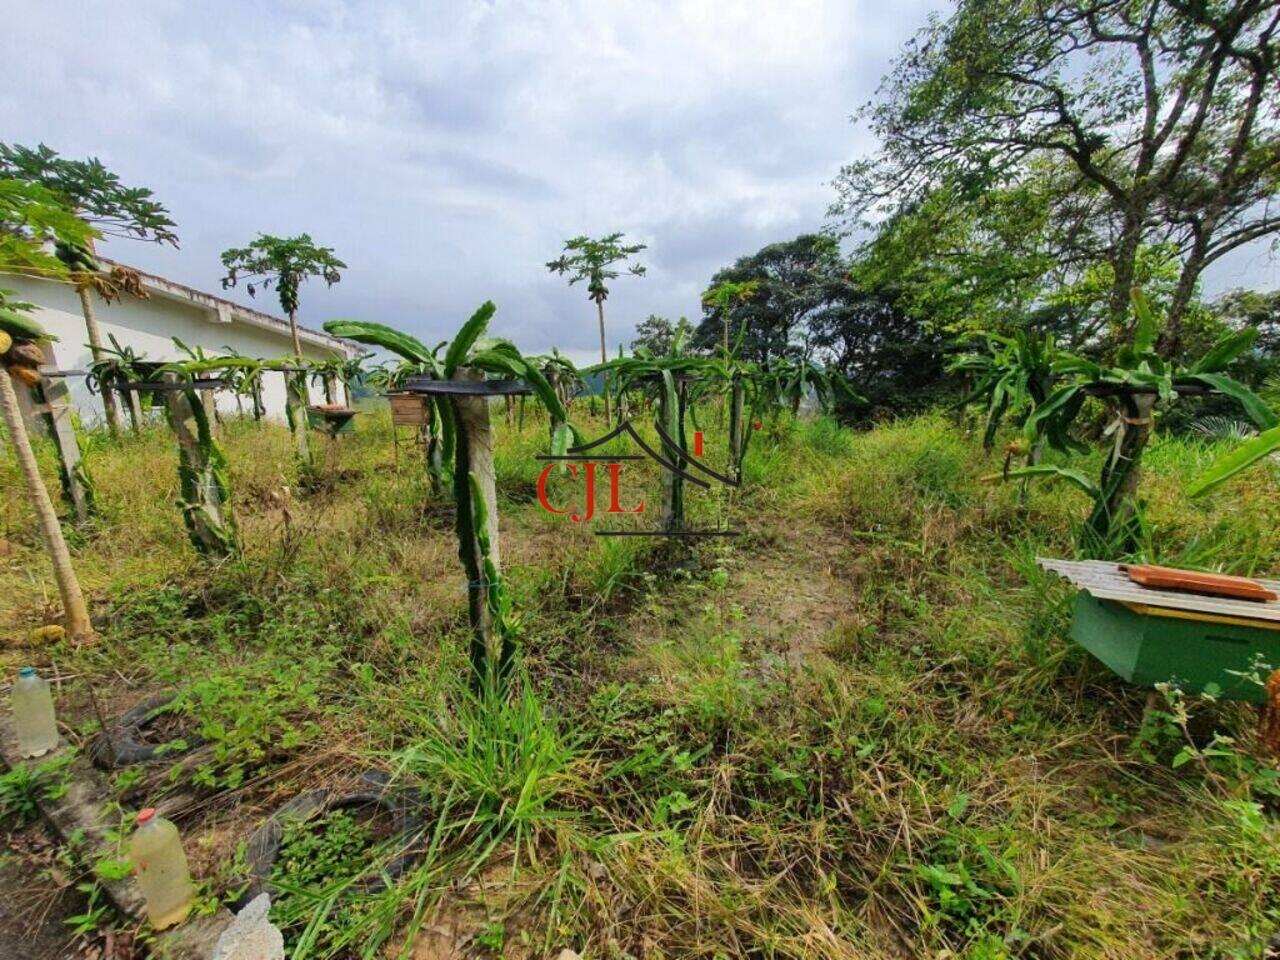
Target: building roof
228	311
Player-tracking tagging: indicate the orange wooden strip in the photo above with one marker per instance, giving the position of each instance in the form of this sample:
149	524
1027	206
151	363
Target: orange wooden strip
1197	581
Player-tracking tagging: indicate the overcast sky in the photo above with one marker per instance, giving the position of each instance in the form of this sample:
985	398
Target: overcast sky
445	150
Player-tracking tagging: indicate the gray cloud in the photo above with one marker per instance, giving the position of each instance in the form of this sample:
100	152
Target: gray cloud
446	150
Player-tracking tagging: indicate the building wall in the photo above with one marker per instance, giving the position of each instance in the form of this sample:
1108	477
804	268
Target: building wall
149	326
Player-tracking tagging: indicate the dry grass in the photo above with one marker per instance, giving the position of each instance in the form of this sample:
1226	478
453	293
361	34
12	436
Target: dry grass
857	731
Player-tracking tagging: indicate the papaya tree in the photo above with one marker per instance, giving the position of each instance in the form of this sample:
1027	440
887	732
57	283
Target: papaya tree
285	263
594	261
455	382
96	196
32	219
20	356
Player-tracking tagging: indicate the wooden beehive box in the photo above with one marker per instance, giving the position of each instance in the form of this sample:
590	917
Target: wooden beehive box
408	410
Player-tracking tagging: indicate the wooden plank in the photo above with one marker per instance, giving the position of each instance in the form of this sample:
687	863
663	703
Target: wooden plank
57	413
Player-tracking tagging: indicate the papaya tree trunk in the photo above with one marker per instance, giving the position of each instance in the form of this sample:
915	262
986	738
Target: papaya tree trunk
475	491
73	606
604	358
202	474
293	332
95	347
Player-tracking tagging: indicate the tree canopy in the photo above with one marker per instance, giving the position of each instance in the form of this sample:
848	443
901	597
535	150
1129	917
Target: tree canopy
593	261
1156	117
92	192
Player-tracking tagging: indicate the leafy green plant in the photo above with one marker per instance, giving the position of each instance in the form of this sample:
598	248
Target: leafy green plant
1014	375
1139	382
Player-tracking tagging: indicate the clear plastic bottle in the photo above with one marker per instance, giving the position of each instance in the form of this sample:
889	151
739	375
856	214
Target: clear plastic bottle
156	851
33	714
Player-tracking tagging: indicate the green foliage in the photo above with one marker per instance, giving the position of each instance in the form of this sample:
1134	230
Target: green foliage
31	216
1015	375
23	787
205	483
1235	462
1147	122
655	334
91	192
285	262
593	261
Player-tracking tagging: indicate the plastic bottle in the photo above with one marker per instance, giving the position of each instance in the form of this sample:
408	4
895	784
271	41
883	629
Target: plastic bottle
33	714
161	866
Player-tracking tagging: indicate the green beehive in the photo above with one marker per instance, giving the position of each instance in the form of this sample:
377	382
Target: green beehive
1158	636
1149	647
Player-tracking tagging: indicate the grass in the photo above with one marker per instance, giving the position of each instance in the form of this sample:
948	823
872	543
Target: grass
857	730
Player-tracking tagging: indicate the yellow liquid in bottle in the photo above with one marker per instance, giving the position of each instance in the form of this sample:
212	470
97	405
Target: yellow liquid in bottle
161	867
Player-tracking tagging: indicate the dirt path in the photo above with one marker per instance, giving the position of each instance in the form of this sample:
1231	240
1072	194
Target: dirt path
789	588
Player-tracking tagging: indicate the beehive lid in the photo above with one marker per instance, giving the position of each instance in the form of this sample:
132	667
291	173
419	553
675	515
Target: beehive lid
1109	581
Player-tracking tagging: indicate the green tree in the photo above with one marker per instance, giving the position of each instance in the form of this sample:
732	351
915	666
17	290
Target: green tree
594	261
726	295
286	263
1162	110
96	195
790	283
656	334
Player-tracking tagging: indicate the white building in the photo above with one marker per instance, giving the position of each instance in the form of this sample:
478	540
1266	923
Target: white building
149	325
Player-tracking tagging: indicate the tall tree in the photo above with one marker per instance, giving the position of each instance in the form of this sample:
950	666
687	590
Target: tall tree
97	196
726	295
656	334
594	261
1162	109
790	282
286	263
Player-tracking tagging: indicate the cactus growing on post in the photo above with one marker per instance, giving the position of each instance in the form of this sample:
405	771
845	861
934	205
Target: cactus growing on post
202	470
466	434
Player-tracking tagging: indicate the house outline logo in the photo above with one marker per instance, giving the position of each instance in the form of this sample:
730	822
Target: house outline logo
673	458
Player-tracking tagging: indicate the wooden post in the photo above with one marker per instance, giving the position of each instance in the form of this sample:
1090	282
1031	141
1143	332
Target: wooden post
330	387
134	400
76	488
673	484
209	401
475	490
737	432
